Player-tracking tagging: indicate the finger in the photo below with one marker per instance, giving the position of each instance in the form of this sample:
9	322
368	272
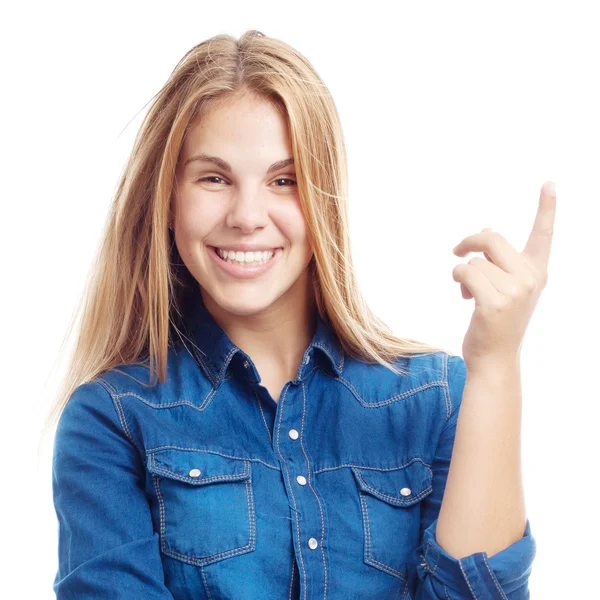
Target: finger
497	250
503	282
539	243
466	294
485	253
476	282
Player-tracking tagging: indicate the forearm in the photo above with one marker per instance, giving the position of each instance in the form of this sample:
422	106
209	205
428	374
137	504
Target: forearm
483	507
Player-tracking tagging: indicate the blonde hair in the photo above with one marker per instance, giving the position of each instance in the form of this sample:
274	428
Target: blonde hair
130	307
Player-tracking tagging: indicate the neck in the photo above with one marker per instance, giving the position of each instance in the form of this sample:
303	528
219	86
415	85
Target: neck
275	338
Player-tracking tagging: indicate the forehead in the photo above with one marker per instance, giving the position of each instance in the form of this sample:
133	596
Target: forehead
246	126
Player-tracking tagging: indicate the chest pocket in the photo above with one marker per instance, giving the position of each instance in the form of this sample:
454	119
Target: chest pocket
206	505
391	511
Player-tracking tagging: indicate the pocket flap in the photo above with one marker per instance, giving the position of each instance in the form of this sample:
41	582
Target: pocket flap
400	487
197	467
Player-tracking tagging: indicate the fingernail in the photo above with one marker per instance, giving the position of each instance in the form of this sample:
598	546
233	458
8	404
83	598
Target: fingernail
552	189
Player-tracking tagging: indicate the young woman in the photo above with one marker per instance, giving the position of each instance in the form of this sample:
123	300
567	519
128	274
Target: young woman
236	422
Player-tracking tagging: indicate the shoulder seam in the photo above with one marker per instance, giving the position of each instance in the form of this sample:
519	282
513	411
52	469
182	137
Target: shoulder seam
118	408
446	388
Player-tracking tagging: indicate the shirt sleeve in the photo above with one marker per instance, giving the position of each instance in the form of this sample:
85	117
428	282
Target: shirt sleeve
503	576
106	544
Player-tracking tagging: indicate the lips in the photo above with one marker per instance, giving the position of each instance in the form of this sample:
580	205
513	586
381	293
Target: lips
241	271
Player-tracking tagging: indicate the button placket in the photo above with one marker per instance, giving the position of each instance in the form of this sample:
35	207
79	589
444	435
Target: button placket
305	504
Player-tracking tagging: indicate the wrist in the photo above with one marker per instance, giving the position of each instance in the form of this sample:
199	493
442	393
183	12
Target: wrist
494	364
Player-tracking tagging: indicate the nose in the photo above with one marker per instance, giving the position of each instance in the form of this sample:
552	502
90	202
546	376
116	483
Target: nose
247	212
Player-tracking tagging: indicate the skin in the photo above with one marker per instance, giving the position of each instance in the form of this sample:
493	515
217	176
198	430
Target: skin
271	317
483	508
506	284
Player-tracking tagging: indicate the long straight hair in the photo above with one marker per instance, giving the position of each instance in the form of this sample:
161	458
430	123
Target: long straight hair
129	310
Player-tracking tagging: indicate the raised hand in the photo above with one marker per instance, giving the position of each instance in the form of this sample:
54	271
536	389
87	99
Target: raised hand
506	284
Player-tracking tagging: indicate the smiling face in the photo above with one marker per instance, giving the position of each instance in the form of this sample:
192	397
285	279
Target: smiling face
246	198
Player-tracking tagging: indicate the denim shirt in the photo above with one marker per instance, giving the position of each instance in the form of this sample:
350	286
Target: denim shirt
204	487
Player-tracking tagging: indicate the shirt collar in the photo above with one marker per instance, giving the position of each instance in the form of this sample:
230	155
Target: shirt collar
215	351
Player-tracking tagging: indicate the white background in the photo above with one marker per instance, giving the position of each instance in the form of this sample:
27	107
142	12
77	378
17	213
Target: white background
455	113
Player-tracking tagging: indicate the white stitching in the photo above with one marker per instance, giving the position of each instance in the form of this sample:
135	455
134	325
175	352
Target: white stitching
205	582
200	407
466	579
446	389
226	361
492	575
305	376
340	366
155	468
263	416
429	547
156	448
292	579
111	388
282	400
393	499
369	558
209	367
344	465
200	561
120	412
313	490
395	398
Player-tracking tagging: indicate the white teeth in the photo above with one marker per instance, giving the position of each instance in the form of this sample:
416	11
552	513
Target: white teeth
246	258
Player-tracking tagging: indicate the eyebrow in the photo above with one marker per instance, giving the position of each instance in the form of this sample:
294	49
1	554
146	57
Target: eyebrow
280	164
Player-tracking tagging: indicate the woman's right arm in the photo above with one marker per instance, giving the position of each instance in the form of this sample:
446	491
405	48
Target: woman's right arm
106	544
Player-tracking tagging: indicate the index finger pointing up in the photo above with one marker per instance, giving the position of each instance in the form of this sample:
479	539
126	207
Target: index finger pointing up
540	239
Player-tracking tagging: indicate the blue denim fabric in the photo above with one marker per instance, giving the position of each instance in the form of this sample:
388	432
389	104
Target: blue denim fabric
193	488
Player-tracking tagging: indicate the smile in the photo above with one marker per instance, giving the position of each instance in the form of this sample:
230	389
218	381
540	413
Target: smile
246	258
258	263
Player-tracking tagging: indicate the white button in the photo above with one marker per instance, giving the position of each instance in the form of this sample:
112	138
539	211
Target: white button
312	543
405	491
194	473
301	479
246	364
307	359
293	433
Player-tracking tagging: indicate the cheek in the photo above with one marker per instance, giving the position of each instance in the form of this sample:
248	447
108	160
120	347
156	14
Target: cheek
292	223
196	219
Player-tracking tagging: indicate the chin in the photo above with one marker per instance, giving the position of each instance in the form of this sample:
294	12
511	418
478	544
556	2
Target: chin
244	305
